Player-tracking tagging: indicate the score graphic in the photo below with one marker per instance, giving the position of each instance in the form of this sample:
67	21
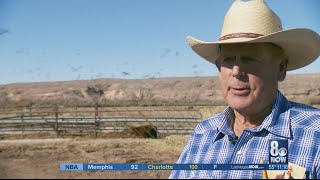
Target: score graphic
278	152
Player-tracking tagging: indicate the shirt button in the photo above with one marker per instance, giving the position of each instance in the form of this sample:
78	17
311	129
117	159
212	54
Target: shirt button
239	152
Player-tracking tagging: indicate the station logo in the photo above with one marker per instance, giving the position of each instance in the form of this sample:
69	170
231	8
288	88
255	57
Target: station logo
278	153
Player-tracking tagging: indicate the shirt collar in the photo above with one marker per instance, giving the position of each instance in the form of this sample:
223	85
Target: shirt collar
225	125
277	122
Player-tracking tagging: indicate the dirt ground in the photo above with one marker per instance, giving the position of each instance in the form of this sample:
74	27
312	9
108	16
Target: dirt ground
41	158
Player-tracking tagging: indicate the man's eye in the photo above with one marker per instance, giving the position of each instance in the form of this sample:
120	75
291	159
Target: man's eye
229	59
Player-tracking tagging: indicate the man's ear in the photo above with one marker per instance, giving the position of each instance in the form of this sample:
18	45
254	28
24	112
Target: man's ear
283	69
218	65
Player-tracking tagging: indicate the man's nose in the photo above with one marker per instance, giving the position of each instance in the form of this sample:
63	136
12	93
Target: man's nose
237	70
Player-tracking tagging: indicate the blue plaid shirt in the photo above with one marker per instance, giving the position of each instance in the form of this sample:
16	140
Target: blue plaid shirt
210	142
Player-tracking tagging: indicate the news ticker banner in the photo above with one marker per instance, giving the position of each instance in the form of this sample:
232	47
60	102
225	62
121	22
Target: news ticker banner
278	160
143	167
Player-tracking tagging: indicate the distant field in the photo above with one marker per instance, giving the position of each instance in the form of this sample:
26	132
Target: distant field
178	91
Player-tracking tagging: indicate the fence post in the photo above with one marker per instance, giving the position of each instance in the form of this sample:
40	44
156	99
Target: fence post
96	114
30	111
56	113
76	113
22	123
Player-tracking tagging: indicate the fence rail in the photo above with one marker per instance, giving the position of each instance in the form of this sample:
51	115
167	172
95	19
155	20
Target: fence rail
92	120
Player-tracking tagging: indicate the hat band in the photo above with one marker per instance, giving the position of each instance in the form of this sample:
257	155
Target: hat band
240	35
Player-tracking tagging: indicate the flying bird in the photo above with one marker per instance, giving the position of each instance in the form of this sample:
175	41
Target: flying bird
4	31
75	69
125	73
166	52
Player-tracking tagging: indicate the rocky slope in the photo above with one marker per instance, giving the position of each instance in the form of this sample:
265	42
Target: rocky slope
120	92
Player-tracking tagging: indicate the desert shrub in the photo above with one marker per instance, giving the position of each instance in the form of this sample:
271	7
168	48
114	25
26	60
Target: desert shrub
3	99
306	100
314	100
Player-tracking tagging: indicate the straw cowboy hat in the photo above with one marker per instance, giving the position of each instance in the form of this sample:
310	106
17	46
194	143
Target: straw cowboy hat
253	22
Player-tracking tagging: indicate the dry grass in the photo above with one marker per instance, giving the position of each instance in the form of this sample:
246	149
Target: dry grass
41	158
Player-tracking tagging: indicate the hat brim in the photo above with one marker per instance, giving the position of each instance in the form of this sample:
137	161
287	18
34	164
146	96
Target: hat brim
302	46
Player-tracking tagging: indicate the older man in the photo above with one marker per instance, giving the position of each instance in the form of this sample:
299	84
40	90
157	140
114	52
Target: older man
253	54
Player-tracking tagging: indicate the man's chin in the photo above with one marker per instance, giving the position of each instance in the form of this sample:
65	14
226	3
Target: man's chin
240	109
239	105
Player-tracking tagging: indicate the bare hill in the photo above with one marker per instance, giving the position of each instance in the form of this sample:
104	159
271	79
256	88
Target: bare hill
120	92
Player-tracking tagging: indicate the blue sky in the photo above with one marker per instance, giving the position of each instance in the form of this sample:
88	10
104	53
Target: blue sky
61	40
